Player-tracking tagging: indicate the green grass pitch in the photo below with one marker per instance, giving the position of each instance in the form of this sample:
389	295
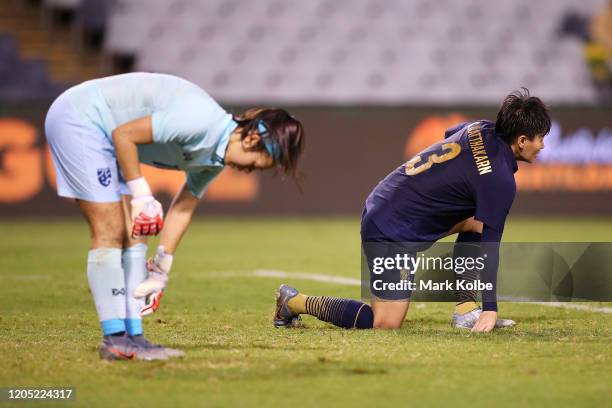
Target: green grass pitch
222	318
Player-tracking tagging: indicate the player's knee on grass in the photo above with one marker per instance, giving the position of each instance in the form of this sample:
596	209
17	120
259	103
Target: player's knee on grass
389	315
387	322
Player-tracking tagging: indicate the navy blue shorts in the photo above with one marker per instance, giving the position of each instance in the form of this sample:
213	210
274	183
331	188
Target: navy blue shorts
392	283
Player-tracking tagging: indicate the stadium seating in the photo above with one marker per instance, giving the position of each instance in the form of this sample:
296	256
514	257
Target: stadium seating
21	79
356	51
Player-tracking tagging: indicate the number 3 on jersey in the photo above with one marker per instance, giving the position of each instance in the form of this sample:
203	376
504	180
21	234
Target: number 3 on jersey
438	154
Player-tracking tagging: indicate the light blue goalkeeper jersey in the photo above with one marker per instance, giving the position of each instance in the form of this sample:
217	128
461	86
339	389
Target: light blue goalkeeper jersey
190	130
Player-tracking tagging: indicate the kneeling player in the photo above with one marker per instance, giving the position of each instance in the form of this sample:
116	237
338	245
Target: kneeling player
464	184
99	132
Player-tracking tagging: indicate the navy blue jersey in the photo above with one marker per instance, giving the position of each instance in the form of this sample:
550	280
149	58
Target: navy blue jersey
469	173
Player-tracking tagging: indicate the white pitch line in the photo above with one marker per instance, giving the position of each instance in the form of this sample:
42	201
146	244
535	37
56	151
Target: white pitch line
317	277
574	306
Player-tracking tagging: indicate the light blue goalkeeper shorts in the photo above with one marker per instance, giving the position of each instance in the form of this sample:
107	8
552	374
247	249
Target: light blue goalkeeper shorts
84	158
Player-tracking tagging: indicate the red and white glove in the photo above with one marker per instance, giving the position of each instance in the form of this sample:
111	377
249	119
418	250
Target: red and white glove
147	212
152	288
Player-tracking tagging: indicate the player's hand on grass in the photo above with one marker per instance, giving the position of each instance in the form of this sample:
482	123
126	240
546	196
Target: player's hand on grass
152	288
147	213
486	322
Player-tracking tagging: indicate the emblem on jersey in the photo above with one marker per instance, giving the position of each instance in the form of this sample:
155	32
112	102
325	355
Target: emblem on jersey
104	176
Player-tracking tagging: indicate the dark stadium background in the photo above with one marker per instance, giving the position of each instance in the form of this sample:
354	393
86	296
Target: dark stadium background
353	139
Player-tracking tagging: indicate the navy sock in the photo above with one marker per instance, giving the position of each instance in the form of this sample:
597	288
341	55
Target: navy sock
346	313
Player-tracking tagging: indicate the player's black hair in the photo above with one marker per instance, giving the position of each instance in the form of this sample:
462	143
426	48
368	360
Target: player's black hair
283	128
522	114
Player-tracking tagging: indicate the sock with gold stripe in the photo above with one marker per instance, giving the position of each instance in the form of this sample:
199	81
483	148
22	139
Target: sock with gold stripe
346	313
465	307
467	246
297	304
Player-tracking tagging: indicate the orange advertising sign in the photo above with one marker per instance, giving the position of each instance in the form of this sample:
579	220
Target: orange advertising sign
21	174
22	178
575	162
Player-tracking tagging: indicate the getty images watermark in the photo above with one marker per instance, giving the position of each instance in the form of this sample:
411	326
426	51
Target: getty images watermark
410	264
524	271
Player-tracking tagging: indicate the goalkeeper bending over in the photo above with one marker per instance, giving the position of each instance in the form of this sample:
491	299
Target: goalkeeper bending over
464	184
99	132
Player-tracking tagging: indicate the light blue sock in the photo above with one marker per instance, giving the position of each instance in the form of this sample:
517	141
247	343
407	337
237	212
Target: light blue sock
134	261
107	285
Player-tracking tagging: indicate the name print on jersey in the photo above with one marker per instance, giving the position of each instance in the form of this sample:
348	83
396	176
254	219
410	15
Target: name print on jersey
478	150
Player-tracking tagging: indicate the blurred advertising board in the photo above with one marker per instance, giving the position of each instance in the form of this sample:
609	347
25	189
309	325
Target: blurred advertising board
348	151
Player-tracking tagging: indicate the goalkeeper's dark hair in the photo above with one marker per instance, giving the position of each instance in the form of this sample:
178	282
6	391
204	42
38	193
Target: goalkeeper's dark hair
522	114
284	129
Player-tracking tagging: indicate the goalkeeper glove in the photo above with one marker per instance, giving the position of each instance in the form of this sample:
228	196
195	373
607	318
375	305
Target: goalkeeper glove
152	288
147	213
